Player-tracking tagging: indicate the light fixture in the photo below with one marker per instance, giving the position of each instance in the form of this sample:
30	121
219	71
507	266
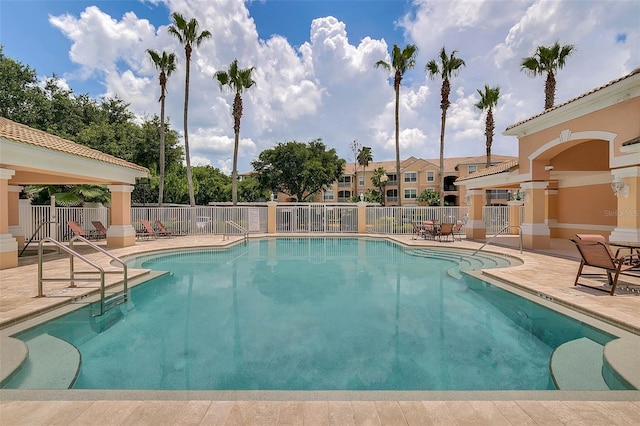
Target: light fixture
548	168
619	187
467	199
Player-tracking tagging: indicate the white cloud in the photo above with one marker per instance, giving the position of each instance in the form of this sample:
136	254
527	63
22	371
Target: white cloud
328	88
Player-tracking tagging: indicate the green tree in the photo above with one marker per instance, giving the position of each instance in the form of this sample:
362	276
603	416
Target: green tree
379	179
429	196
488	100
236	80
364	158
166	64
211	185
298	169
68	195
250	190
547	59
19	93
401	61
448	67
188	35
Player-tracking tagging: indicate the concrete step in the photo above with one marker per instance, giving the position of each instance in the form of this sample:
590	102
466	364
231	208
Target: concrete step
577	365
51	363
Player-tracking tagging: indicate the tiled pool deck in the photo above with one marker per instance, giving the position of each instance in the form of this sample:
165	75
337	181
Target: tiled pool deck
550	277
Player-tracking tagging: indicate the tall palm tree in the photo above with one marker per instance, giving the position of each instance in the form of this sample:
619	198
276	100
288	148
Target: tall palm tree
547	59
166	64
488	100
401	61
187	34
379	180
236	80
448	67
364	158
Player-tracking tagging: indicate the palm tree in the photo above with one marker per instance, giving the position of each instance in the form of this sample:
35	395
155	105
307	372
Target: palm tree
379	180
547	59
401	61
166	64
448	67
187	34
488	100
364	158
237	80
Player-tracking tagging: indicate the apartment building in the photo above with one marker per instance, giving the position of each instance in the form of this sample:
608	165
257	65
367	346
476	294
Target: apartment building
416	176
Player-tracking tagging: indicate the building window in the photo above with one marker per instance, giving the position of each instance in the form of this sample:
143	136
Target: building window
473	169
344	182
344	196
431	176
411	177
361	180
392	195
328	196
410	194
392	179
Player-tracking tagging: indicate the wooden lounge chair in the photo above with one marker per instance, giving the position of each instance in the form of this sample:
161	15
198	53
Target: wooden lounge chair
445	231
147	231
597	255
161	230
101	230
78	230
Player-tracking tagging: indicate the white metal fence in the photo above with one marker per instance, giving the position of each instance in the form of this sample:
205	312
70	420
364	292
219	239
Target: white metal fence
290	218
495	218
317	218
397	220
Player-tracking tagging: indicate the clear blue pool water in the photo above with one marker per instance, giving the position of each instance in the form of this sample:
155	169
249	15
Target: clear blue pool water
315	314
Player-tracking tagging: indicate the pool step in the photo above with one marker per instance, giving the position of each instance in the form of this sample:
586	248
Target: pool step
577	365
51	363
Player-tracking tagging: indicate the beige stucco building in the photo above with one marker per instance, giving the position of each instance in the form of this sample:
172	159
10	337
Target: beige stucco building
578	167
33	157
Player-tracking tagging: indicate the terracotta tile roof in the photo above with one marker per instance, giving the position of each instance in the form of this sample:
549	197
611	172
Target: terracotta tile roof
493	170
553	108
450	164
25	134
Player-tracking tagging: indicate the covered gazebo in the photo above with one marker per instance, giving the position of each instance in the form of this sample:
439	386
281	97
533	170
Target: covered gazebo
578	169
33	157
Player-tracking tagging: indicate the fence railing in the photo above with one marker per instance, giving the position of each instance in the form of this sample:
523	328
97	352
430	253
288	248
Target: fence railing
290	218
495	218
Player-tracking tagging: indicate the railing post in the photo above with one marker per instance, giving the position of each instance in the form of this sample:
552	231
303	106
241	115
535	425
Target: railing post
362	217
271	217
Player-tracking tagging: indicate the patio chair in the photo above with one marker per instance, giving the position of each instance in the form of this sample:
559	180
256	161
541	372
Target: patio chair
147	231
445	231
457	230
78	230
430	229
417	232
597	255
101	230
161	230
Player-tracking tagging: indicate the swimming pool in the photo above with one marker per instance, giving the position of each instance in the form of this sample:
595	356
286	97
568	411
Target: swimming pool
314	314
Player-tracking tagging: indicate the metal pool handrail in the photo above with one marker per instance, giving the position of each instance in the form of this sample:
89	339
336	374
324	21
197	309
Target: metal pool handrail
236	226
498	233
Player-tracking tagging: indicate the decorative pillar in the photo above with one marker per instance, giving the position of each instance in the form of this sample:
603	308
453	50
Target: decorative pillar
120	232
551	212
475	228
8	244
626	185
15	228
271	217
362	217
535	232
515	216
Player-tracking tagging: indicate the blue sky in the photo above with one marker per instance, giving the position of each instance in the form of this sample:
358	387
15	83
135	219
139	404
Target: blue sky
314	65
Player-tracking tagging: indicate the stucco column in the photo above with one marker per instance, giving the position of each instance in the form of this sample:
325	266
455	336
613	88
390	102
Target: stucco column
15	228
628	208
271	217
535	232
120	232
515	213
8	244
551	213
362	217
475	228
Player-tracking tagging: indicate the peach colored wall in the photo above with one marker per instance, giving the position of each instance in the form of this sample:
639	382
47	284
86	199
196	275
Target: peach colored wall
621	119
587	205
589	155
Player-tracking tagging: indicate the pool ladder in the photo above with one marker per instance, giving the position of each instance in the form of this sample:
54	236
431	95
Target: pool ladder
234	225
106	303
